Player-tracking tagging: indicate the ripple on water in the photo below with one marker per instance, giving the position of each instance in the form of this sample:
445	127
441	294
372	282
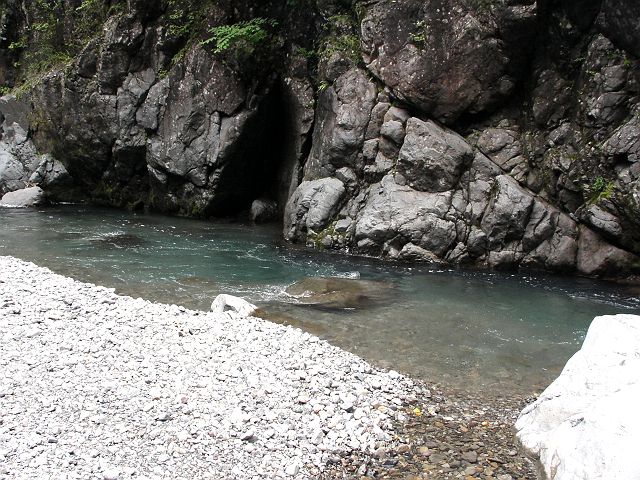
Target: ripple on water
470	330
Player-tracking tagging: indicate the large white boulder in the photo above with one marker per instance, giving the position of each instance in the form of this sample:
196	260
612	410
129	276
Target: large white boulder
26	197
586	424
224	303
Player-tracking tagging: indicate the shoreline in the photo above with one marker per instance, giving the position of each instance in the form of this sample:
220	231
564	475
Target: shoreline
151	390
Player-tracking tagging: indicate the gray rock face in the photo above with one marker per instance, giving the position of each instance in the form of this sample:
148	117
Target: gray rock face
432	158
596	257
493	133
263	210
343	114
444	57
18	155
620	20
508	212
312	206
395	215
52	176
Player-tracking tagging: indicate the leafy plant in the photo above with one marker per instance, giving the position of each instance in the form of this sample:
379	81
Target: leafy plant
244	36
420	37
341	38
601	189
20	44
306	52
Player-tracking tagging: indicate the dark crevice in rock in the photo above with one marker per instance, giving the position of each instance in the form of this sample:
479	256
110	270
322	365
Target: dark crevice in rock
260	162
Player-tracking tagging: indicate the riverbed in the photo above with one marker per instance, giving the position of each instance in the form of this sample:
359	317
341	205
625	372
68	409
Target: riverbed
467	330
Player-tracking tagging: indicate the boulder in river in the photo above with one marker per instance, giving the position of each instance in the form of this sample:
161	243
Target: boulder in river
586	423
224	302
339	293
25	197
264	210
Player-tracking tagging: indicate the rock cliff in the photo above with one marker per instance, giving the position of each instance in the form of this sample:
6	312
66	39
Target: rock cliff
499	133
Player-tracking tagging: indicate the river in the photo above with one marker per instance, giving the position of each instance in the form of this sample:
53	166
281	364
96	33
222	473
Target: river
471	331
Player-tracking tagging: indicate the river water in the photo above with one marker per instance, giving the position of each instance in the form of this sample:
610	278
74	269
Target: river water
467	330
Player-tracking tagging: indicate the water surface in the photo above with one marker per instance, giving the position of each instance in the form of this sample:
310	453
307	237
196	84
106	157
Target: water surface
474	331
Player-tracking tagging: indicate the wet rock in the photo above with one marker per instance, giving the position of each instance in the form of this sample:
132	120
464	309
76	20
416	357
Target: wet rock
339	293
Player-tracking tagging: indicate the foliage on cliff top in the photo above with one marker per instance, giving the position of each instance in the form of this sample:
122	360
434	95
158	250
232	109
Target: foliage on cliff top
341	37
53	32
247	46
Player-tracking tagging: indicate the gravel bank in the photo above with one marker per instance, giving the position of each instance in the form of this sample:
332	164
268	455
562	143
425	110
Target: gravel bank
99	386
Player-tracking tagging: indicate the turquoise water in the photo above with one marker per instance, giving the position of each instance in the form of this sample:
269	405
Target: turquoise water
473	331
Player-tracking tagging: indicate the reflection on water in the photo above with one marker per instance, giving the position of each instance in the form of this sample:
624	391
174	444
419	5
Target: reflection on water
467	330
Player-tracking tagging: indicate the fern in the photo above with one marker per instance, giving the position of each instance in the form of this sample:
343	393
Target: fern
244	35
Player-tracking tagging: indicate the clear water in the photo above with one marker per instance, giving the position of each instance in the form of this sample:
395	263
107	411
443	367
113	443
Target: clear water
474	331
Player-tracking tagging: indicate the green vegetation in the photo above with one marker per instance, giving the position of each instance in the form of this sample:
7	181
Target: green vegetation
601	189
306	52
184	17
341	38
56	42
419	37
243	36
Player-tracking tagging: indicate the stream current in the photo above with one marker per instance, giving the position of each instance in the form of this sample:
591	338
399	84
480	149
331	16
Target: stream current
470	331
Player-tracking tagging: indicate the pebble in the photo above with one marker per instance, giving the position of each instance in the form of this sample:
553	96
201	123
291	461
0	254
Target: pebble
111	475
133	397
471	456
292	469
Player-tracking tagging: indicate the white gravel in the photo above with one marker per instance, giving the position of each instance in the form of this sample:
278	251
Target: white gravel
98	386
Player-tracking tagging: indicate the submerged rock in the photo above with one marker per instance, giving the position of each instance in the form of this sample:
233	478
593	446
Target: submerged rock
120	240
586	424
339	293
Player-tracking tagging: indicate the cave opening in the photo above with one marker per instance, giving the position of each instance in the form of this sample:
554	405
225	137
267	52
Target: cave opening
264	164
